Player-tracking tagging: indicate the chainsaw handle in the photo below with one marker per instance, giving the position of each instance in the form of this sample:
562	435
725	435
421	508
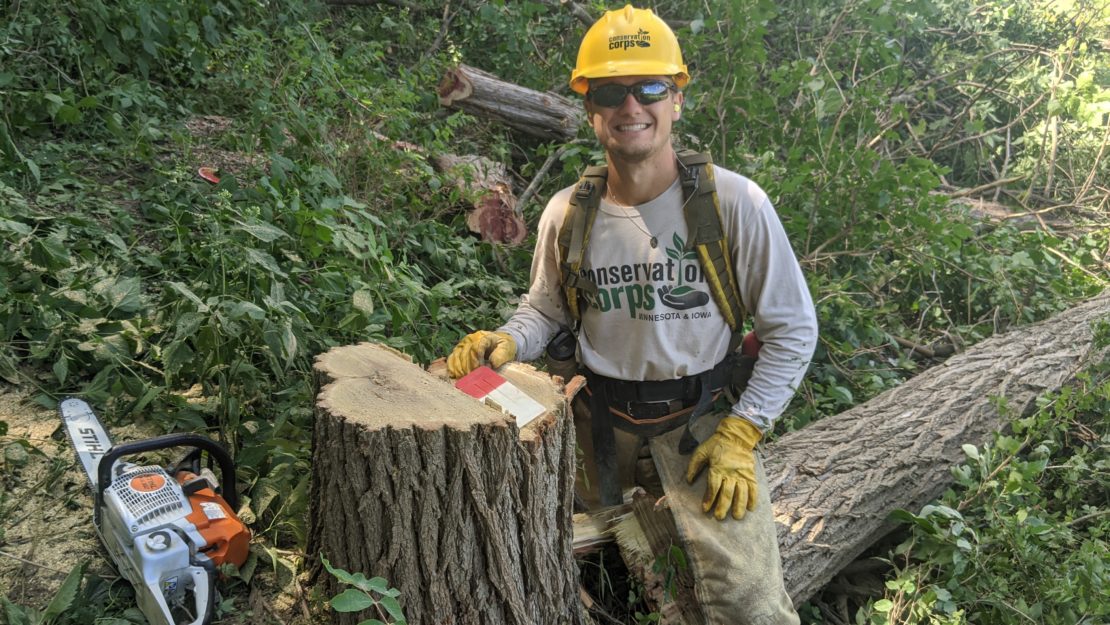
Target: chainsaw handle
227	465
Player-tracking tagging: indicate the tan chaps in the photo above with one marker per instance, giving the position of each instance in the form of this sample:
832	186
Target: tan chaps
735	564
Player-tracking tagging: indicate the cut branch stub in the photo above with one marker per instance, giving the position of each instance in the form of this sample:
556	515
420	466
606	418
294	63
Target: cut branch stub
493	216
414	481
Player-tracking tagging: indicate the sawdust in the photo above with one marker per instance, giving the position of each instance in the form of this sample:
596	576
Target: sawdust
45	506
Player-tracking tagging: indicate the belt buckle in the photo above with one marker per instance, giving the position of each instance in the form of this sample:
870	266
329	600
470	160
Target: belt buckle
664	408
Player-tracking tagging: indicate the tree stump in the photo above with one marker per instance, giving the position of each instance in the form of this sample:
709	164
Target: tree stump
464	513
834	482
537	113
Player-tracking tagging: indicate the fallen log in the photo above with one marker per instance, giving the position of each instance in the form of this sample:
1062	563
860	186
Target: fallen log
834	482
462	511
540	114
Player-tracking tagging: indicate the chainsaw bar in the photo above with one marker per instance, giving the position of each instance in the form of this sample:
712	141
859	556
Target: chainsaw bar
85	433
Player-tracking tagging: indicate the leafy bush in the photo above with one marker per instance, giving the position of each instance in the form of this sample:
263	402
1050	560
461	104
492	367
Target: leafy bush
1022	536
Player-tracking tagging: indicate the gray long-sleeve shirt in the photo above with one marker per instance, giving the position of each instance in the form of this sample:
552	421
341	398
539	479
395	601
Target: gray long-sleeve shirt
655	318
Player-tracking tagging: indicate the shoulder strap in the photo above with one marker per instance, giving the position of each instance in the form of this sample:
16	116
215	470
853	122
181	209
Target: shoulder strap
703	221
707	236
574	236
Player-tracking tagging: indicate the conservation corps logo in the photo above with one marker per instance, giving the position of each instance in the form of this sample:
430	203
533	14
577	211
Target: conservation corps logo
642	39
632	287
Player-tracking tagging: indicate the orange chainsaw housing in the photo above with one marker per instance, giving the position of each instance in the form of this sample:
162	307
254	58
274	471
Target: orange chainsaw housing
226	538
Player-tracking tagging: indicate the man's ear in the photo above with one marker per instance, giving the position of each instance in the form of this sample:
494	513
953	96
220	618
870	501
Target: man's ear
679	101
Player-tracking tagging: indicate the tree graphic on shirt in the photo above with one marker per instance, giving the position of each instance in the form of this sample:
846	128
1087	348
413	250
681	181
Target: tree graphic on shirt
680	253
681	297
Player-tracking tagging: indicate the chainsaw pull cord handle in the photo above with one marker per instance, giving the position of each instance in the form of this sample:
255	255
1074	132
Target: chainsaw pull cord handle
223	458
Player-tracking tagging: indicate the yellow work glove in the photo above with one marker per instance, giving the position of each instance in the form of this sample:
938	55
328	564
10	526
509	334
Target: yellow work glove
731	480
496	347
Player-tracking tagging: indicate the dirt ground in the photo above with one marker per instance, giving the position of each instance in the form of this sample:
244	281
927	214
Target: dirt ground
46	524
45	505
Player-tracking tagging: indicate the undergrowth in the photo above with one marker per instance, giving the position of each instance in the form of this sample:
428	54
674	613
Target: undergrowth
1024	534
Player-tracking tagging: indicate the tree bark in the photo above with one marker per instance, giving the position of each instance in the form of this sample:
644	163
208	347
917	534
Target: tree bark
464	513
537	113
834	482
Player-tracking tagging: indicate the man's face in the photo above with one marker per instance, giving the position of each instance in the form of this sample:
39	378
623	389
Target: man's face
634	132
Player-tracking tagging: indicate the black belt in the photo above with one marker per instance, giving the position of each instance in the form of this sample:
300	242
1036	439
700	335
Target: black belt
685	389
694	391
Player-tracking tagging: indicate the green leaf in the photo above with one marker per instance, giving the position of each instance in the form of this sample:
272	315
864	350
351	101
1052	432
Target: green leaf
189	295
363	301
392	606
63	599
371	621
147	397
883	605
337	573
242	309
54	99
262	231
61	369
68	114
351	600
116	242
842	394
264	260
971	451
122	294
679	557
15	226
18	615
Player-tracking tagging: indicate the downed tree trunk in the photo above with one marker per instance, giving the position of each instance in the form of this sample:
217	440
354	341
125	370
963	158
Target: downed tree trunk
538	113
834	482
467	515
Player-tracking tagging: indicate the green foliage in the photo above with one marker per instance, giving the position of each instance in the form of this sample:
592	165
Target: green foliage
857	118
365	594
127	280
72	604
1023	535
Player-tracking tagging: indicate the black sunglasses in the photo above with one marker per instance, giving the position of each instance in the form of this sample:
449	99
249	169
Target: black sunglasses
612	95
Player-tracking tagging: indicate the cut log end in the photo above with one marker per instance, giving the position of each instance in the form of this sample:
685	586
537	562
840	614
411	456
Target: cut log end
496	222
453	87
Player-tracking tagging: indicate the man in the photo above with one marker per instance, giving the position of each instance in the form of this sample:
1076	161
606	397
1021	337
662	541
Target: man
653	344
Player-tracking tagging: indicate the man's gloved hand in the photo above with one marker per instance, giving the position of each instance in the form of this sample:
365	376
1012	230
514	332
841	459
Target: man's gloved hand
731	480
496	347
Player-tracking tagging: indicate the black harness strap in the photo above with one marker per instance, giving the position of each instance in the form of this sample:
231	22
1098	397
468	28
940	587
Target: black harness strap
605	446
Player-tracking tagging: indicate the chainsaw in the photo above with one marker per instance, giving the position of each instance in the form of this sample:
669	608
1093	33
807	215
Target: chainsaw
167	531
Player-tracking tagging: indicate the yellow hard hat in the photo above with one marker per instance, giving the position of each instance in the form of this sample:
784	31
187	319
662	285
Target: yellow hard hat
628	42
